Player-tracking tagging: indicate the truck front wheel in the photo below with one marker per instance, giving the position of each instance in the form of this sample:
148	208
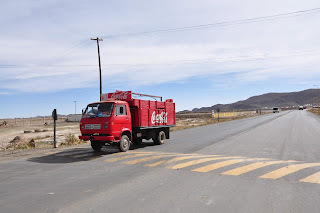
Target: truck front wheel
96	146
124	143
160	139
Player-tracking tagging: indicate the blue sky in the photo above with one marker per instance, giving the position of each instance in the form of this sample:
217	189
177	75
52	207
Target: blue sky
47	59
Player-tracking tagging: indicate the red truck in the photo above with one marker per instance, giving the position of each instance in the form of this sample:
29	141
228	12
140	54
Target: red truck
120	118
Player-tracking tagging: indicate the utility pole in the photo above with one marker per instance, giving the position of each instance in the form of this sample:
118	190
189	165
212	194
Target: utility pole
318	97
75	107
54	117
99	39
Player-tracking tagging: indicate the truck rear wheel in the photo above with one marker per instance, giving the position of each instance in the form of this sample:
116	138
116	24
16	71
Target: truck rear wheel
160	139
96	146
124	143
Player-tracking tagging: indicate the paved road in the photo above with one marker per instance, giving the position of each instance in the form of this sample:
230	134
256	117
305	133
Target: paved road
269	163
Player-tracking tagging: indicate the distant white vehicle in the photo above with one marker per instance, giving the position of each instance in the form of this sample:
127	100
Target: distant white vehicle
300	107
276	110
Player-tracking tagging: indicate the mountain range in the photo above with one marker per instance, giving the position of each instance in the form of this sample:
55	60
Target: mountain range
268	100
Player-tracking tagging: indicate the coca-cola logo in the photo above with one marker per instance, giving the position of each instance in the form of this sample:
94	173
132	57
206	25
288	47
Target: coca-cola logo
159	118
121	96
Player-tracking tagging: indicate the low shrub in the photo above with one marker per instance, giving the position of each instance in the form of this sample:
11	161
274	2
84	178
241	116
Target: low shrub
71	139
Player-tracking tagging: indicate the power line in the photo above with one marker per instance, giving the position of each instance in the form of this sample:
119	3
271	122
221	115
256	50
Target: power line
221	24
239	58
48	62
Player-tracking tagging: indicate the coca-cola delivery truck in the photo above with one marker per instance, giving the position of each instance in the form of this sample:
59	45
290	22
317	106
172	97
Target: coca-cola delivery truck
120	118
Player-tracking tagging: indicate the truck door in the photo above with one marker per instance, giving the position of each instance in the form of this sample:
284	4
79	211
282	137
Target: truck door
122	119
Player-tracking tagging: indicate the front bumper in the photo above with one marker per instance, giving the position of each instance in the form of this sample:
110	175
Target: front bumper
98	138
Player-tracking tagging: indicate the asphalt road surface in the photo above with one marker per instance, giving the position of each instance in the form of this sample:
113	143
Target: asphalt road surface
268	163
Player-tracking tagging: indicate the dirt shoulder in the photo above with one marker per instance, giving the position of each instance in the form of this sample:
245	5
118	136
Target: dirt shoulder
42	135
20	153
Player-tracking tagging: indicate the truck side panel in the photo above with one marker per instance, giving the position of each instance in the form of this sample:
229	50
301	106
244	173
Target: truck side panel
146	113
152	108
170	108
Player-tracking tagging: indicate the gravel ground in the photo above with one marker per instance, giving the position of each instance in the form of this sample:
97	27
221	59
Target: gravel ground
7	134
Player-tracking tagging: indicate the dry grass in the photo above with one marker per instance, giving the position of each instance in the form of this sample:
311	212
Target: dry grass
195	122
20	142
26	145
315	111
42	138
71	139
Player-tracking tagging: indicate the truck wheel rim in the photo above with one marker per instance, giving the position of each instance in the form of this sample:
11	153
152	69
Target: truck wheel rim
125	143
161	137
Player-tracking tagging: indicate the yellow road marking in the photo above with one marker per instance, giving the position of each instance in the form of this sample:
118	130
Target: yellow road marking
144	152
288	170
119	153
125	157
91	157
189	157
194	162
251	167
156	163
315	178
160	153
173	160
146	159
218	165
178	159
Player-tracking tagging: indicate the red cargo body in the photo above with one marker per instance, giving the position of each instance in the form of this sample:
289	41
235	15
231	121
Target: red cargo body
147	113
142	119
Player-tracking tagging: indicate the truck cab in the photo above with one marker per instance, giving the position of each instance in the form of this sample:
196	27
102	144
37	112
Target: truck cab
106	121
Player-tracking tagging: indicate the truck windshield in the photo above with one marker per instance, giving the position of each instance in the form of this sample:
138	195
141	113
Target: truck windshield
98	110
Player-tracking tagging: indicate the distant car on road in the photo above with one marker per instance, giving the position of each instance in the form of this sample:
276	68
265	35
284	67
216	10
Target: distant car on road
300	107
276	110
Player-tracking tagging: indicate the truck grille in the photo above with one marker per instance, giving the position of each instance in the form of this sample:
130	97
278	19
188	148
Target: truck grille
93	126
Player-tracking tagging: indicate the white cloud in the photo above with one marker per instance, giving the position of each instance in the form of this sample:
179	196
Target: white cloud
5	93
145	65
38	31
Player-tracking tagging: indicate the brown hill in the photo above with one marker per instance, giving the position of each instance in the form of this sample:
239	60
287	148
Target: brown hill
269	100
